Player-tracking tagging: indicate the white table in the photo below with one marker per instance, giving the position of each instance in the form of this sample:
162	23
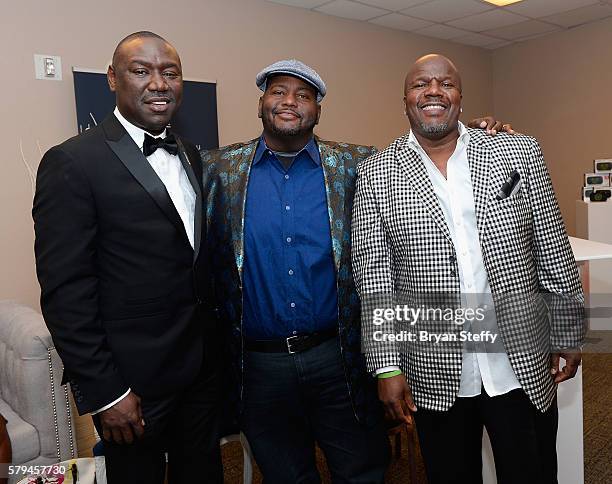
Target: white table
570	450
593	223
587	250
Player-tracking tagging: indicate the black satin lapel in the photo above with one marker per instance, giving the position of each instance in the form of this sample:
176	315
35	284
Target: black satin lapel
113	128
133	159
188	167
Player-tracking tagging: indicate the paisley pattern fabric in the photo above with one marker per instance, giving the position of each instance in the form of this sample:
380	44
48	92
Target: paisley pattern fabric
226	176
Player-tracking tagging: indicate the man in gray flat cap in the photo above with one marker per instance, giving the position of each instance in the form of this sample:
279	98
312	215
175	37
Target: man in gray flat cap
279	217
279	213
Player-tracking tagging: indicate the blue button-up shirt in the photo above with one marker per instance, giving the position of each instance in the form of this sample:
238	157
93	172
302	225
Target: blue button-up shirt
289	276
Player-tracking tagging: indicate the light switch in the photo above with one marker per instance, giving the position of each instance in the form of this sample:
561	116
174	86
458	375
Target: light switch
48	67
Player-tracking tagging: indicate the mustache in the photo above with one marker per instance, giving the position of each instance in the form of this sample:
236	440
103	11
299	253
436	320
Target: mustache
158	97
276	111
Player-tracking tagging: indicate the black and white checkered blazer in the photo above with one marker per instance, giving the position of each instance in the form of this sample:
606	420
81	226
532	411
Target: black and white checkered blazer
402	245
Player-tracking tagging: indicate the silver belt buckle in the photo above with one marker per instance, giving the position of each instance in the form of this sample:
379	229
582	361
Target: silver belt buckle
291	352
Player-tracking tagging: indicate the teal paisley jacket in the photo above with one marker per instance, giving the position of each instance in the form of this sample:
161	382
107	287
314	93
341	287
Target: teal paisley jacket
226	175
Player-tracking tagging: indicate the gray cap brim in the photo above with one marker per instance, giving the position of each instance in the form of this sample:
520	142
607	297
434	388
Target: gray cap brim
294	68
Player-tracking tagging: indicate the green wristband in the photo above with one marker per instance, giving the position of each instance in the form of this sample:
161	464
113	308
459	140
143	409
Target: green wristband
389	374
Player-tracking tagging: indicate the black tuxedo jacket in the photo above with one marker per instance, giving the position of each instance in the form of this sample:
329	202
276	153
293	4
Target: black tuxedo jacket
123	292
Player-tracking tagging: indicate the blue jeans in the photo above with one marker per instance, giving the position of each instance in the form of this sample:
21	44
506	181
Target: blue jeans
291	401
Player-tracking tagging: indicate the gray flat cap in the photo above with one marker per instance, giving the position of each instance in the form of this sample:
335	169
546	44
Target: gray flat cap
293	67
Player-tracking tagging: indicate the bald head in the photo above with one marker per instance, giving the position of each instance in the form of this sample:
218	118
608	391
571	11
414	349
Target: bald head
433	64
432	97
143	34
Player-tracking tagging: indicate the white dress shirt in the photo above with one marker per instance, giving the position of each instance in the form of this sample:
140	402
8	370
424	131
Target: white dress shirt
456	197
170	171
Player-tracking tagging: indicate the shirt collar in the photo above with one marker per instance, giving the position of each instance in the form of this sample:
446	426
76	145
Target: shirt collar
136	133
311	148
464	137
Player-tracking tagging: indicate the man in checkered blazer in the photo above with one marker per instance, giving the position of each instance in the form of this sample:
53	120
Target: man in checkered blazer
449	218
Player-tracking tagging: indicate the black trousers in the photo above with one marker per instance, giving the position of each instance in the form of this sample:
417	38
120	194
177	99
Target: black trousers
185	426
291	401
523	440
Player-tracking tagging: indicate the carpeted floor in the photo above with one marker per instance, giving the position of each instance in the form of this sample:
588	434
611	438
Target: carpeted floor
597	384
396	474
597	388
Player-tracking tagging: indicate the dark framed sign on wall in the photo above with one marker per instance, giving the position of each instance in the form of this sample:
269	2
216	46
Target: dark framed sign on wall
196	119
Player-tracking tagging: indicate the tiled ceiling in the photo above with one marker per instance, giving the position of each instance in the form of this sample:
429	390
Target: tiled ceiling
471	22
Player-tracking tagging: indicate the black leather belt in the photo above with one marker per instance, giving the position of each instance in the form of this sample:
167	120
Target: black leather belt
293	344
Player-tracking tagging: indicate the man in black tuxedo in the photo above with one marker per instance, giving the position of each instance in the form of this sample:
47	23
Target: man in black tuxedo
122	264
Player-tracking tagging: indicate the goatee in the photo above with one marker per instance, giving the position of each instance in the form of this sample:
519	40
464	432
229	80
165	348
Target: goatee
286	131
434	129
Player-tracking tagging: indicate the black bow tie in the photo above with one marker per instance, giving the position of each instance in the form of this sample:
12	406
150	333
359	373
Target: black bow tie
151	144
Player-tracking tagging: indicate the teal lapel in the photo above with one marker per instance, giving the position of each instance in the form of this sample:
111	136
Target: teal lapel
240	168
334	173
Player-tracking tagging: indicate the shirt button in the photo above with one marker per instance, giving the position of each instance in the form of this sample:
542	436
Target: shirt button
288	240
287	207
286	177
292	304
290	272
